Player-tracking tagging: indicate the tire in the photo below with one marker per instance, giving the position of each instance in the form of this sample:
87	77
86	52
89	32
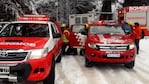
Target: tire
59	58
88	63
51	77
130	65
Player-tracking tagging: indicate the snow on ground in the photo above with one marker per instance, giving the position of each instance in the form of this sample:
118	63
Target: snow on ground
72	70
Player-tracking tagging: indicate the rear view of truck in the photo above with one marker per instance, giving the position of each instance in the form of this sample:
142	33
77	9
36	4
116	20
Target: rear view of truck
134	14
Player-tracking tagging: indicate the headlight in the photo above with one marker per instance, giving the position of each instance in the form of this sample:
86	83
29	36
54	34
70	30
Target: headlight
92	45
38	53
131	46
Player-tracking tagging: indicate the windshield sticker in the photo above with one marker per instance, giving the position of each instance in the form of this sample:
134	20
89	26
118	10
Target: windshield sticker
18	43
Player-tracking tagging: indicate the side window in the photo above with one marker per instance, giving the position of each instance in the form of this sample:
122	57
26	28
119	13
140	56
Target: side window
84	20
54	29
57	31
7	31
77	20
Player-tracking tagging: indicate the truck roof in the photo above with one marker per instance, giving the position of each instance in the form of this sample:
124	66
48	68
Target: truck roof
41	22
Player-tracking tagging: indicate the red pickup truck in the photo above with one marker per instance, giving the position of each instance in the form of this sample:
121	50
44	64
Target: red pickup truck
29	48
107	43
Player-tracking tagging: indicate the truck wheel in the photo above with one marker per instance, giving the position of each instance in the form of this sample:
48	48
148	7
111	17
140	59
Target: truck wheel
51	77
130	65
58	60
88	63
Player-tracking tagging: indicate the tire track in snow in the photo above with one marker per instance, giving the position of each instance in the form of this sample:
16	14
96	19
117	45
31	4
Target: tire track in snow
143	66
72	70
60	76
128	79
137	75
107	72
120	75
88	72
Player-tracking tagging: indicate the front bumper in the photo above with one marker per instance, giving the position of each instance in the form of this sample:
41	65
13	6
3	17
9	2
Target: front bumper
17	73
31	70
102	56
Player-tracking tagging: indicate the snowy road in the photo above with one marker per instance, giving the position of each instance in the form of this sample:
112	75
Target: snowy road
72	70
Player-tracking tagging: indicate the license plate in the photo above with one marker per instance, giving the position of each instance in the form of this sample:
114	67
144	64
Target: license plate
4	70
113	55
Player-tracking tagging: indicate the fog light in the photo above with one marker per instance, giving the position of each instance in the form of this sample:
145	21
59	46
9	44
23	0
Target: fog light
93	54
36	70
131	55
41	69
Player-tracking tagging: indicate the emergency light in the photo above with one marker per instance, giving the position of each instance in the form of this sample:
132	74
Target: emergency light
33	18
119	11
100	22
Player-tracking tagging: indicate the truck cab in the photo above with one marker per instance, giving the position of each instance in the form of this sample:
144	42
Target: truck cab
29	48
107	43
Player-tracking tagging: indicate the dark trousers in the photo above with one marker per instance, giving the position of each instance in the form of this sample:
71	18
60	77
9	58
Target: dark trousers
64	49
67	51
137	44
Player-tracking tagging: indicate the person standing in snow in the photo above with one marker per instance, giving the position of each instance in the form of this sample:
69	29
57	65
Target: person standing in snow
137	35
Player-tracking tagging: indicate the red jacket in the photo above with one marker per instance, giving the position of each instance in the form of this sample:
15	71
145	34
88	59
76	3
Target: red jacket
137	32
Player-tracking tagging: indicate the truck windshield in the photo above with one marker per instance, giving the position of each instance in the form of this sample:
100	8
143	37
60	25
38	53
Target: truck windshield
25	30
106	30
77	28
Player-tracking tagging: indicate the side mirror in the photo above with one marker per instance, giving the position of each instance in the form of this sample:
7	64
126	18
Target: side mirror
57	35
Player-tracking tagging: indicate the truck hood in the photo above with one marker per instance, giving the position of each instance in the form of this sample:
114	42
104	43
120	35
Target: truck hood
111	39
25	43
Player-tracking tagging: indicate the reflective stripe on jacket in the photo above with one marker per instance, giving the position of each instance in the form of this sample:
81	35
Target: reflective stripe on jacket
65	36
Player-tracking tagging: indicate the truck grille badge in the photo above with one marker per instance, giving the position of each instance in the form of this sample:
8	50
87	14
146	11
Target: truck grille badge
3	54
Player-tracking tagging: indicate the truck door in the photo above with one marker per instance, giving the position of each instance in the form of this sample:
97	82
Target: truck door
77	40
56	40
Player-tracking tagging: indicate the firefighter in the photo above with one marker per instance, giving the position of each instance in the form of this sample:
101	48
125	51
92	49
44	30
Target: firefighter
65	39
84	31
137	35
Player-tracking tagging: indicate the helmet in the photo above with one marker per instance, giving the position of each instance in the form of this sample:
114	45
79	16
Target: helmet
87	26
131	23
63	25
136	24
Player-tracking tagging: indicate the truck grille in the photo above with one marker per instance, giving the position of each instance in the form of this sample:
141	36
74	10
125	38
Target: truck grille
113	47
12	55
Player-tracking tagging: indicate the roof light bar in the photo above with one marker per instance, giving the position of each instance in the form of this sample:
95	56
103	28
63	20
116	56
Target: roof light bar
33	18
